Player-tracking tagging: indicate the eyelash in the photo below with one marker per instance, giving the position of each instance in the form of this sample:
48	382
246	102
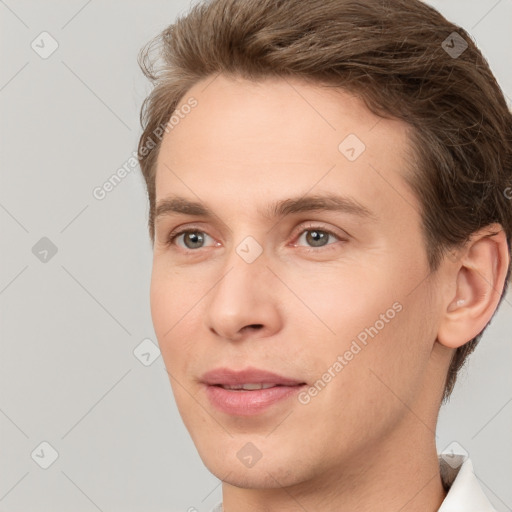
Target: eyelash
175	234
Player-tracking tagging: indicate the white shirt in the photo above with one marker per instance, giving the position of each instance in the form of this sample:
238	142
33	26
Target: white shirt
465	493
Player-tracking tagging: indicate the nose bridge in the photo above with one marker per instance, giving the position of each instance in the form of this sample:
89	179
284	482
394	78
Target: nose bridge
242	295
243	273
245	255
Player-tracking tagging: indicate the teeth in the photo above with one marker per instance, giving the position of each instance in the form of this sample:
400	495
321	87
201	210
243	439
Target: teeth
249	387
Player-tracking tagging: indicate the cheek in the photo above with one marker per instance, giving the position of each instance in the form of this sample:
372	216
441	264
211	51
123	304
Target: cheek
389	369
162	303
171	301
375	382
338	302
171	294
370	320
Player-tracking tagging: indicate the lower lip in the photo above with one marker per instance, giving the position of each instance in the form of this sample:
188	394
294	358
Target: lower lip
248	403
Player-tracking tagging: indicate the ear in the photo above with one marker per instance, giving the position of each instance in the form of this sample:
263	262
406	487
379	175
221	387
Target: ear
479	277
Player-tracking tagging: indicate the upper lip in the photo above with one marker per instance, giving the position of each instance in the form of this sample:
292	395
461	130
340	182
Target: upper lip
228	377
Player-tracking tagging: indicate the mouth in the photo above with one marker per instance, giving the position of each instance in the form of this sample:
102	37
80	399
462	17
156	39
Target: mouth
249	387
248	379
248	392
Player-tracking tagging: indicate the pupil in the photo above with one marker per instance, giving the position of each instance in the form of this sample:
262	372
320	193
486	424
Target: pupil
317	236
194	238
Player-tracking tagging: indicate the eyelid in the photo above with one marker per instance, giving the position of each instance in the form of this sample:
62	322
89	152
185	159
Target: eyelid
299	230
175	233
312	225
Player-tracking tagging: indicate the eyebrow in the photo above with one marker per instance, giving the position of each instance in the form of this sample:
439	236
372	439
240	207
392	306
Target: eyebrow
177	205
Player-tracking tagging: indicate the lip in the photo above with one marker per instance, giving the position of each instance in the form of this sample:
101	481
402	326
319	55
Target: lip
247	403
228	377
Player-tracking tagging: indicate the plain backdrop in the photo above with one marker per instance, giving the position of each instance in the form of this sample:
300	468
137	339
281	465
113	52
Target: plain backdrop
75	271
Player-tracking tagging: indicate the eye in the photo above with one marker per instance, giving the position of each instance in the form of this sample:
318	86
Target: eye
192	238
317	236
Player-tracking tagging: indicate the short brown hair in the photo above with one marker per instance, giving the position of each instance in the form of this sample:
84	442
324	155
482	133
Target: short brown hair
395	55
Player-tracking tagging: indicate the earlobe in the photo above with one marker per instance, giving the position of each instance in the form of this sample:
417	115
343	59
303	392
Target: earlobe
479	281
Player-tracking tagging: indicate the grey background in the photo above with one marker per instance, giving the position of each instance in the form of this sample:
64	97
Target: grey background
70	325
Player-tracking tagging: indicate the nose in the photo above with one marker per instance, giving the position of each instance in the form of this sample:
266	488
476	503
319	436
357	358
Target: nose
244	302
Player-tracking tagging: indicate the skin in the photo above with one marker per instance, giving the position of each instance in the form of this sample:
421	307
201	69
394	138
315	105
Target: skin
367	440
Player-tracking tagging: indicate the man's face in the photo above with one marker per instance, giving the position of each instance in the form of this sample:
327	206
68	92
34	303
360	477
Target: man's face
351	314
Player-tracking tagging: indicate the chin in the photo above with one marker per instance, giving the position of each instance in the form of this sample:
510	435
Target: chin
268	476
225	460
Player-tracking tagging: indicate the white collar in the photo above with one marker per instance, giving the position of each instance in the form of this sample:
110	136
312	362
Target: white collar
465	493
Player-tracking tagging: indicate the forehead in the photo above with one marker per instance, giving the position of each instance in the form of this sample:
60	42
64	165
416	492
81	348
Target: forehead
270	117
254	141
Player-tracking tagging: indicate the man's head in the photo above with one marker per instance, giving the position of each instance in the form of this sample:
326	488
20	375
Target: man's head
381	103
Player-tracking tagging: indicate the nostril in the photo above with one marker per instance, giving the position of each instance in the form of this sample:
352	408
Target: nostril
254	326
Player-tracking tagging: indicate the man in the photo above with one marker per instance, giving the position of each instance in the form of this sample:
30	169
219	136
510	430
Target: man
329	187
